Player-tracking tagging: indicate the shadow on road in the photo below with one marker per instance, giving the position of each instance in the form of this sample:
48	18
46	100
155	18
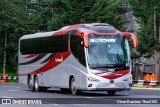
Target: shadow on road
86	93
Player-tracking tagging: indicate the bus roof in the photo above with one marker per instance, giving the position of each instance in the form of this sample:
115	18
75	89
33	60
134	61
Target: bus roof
39	34
96	27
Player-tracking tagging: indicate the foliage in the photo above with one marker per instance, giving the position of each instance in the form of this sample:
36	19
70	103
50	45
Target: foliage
144	11
20	17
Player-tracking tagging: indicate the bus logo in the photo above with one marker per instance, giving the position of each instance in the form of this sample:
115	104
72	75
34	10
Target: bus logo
59	59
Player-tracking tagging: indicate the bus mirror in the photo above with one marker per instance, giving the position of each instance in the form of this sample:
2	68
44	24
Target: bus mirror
133	37
85	38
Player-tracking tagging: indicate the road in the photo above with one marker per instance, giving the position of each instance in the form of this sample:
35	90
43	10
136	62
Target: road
86	99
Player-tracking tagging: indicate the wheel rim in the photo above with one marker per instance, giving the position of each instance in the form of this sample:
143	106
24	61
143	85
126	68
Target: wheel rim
30	83
73	87
36	84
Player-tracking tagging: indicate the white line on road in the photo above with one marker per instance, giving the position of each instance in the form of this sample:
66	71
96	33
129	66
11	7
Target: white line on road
9	87
13	90
6	97
17	91
88	97
79	104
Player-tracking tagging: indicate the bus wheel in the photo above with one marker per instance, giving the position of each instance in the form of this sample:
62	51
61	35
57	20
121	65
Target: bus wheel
73	87
111	93
36	85
30	83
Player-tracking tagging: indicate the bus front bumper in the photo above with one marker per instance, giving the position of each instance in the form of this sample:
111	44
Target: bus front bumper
109	86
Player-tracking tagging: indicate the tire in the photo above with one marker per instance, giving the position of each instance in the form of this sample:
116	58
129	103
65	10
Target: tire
73	87
110	93
30	84
36	84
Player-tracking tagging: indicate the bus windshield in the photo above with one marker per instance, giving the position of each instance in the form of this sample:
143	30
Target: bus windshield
108	51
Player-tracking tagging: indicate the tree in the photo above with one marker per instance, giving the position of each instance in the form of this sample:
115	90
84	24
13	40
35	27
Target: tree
19	17
12	26
68	12
148	12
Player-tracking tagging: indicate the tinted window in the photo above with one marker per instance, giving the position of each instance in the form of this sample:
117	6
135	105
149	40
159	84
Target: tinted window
51	44
106	50
77	48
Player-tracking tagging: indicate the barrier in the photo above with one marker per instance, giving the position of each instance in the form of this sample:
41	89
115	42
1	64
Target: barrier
143	82
148	77
6	78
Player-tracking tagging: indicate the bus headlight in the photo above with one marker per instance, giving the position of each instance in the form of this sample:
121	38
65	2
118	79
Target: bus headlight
129	78
93	79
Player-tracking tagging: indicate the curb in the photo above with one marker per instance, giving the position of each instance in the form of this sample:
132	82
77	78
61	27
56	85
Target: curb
136	88
9	78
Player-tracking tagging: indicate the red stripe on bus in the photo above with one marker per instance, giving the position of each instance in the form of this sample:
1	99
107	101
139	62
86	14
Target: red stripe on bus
116	74
31	56
51	64
65	31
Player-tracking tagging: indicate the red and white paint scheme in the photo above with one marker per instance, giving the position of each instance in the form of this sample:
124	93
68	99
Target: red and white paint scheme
76	58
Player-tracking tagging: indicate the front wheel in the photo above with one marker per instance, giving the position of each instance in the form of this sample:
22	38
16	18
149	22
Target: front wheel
111	93
73	87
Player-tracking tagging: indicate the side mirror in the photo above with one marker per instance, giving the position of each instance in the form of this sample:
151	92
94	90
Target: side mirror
85	41
133	37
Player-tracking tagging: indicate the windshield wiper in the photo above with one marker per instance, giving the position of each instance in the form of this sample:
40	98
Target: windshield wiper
109	66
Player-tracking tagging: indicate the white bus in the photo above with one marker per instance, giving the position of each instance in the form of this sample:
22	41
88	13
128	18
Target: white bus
77	58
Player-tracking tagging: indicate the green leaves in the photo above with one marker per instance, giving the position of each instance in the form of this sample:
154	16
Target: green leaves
19	17
144	11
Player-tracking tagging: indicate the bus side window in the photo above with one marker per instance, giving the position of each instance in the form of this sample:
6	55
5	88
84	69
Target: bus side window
50	44
77	48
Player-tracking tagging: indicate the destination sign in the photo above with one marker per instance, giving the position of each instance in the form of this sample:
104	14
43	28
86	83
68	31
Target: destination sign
103	40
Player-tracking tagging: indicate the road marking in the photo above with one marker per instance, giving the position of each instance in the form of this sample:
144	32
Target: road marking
9	87
17	91
88	97
79	104
13	90
6	97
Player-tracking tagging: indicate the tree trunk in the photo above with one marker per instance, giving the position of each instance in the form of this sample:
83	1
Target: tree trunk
157	54
158	62
5	53
155	27
159	31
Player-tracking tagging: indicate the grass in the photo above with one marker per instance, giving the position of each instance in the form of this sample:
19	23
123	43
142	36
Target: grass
138	85
157	86
141	86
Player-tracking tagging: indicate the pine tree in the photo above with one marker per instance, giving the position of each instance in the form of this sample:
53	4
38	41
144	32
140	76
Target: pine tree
148	12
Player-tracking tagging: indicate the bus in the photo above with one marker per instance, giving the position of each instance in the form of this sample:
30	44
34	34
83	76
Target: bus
75	58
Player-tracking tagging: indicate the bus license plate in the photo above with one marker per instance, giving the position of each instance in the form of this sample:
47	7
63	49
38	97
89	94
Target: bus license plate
111	86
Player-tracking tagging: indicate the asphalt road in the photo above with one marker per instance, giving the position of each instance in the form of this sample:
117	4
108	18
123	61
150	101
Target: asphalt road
86	99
